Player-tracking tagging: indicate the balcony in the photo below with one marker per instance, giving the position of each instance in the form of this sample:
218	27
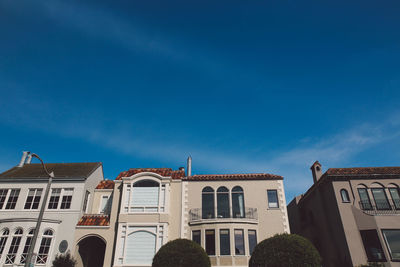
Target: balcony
380	207
197	217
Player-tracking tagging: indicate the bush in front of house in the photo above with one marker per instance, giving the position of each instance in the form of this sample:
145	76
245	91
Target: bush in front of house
285	250
181	253
64	260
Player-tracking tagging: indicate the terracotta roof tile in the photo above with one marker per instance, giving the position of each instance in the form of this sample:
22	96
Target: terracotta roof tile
243	176
105	184
363	171
94	220
174	174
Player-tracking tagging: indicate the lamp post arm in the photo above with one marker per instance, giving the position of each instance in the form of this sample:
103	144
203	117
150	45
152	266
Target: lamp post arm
41	213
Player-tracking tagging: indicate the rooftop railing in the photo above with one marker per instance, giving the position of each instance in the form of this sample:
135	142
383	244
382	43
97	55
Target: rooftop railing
247	213
380	207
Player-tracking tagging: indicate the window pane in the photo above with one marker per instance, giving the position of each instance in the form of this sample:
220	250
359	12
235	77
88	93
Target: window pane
252	240
392	238
43	250
345	195
239	242
394	192
54	198
365	203
273	199
380	199
196	237
104	200
145	196
3	195
140	248
208	205
223	204
372	245
12	199
237	205
210	242
224	242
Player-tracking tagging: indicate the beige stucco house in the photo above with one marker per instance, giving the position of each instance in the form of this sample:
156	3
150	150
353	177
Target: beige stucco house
147	207
351	215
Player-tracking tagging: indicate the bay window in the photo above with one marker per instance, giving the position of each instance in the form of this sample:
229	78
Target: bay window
144	196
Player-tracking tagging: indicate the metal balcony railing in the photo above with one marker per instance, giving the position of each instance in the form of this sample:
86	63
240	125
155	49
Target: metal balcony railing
247	213
381	207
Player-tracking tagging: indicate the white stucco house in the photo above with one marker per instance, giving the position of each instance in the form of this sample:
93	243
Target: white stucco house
22	191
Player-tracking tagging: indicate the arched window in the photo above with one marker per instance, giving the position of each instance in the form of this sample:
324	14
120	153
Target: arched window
44	247
380	198
27	245
12	251
238	202
345	195
3	240
141	247
365	202
395	195
145	196
223	202
207	201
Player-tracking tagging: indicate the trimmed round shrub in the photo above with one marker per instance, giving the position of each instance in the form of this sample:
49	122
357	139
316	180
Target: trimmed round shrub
285	250
181	253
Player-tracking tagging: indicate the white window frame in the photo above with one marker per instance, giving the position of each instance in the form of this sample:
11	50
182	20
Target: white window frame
163	204
49	253
7	199
161	234
35	193
60	200
102	209
277	200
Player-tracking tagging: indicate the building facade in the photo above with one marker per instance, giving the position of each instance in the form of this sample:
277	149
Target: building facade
21	195
226	214
351	215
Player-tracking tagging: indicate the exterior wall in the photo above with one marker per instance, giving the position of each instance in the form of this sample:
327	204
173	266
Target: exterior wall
270	221
61	221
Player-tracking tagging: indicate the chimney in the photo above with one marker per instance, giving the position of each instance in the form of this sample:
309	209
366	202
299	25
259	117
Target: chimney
316	170
24	155
189	166
29	159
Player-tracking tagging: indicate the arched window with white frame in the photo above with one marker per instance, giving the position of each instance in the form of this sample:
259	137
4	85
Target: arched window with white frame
207	203
145	196
3	240
12	251
238	210
44	248
28	242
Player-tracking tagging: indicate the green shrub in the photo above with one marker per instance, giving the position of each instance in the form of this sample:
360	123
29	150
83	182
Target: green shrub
181	253
285	250
64	260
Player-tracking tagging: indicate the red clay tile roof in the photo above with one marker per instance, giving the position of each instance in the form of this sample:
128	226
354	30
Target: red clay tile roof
363	171
178	174
243	176
94	220
105	184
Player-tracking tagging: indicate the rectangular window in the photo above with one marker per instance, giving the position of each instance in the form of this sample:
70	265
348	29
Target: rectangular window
67	198
239	242
33	199
196	237
394	192
252	240
392	239
380	198
103	206
224	242
12	199
272	199
372	245
365	203
54	198
210	242
86	202
3	195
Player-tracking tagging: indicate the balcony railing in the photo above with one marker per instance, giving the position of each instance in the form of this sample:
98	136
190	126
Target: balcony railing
248	213
380	207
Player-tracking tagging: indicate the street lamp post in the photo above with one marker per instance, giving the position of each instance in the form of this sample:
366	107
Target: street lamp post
28	259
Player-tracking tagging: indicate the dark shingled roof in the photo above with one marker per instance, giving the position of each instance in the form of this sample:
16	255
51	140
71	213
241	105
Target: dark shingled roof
106	184
363	171
243	176
61	170
94	220
166	172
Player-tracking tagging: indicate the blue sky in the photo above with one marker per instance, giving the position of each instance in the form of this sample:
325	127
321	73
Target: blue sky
242	86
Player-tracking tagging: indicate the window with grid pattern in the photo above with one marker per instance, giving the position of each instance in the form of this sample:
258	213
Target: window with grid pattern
12	251
3	195
44	247
12	199
33	199
27	245
3	240
54	198
67	198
